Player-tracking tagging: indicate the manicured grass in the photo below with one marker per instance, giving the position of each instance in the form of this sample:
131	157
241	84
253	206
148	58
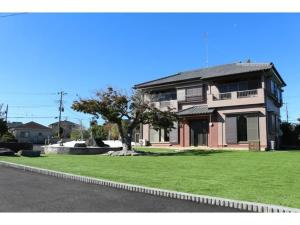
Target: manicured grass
266	177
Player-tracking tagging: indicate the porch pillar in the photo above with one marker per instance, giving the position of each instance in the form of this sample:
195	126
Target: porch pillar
184	133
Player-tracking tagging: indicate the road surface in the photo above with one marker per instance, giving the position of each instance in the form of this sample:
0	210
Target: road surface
22	191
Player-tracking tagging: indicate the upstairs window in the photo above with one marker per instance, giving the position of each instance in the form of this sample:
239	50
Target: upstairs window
159	96
240	86
24	134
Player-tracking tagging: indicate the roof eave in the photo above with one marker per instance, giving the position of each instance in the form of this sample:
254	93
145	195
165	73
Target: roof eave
278	75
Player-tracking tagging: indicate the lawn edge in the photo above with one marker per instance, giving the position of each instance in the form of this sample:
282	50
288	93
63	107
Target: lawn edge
217	201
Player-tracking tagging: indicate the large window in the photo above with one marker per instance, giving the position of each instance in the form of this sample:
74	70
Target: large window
274	89
239	86
195	93
158	96
242	128
272	123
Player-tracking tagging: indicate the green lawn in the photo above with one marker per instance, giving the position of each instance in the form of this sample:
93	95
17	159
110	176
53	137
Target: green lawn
266	177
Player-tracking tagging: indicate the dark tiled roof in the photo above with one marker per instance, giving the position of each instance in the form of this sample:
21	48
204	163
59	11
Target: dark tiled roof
32	125
211	72
64	122
195	110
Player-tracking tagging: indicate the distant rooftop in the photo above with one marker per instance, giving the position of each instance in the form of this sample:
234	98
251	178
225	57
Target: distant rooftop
32	125
213	72
64	122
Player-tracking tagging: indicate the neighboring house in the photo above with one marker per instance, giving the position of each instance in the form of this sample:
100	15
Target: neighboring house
12	125
67	128
32	132
229	105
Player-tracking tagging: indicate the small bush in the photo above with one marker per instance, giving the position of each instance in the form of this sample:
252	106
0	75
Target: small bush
8	137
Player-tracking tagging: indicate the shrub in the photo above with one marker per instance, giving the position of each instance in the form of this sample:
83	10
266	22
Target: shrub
8	137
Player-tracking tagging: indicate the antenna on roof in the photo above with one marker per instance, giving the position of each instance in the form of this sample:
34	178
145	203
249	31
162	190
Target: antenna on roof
205	37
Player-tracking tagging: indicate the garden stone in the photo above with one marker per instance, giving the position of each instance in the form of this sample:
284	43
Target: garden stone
124	153
29	153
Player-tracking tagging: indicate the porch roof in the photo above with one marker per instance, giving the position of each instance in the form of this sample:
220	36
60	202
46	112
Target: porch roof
195	110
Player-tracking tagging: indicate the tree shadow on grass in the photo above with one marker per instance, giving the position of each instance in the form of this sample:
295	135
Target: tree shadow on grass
185	153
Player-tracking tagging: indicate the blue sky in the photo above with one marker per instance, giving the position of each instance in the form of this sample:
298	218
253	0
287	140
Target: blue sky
41	54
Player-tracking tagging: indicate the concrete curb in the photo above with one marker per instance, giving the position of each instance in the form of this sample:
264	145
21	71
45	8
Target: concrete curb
243	205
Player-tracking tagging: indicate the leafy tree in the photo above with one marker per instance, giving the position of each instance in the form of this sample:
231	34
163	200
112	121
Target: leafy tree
99	132
113	132
127	112
76	134
290	134
3	123
3	127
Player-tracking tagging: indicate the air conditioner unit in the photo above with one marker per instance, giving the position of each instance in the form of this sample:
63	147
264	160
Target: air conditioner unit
142	142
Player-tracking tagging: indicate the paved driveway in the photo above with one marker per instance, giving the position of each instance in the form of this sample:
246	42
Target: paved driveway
22	191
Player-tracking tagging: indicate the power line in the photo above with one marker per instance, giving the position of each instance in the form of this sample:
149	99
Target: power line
32	106
27	93
31	117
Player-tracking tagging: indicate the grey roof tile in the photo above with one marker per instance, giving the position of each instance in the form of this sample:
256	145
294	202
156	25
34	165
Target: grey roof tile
211	72
195	110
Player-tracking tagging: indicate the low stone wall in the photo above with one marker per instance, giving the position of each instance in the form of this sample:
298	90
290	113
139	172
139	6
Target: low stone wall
78	150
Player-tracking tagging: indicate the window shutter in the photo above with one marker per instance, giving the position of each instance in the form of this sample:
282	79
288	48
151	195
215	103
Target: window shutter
231	130
174	134
196	91
181	94
252	128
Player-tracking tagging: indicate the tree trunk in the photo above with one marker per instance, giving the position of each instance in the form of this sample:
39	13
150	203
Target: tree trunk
126	141
126	137
127	144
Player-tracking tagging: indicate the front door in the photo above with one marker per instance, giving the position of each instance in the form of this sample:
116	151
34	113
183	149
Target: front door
199	132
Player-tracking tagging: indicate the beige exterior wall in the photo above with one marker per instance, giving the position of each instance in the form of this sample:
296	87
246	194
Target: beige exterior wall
146	130
234	101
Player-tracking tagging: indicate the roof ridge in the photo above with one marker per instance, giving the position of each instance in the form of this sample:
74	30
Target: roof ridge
233	68
32	123
158	79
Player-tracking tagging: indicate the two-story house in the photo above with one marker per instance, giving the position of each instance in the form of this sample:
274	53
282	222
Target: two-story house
31	132
229	106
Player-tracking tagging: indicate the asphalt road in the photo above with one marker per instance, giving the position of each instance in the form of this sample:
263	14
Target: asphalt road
22	191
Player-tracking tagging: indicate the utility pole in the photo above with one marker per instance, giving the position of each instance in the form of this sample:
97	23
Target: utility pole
287	112
61	109
81	132
6	113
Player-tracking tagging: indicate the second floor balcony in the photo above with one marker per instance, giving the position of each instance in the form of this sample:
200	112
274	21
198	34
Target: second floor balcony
246	97
164	105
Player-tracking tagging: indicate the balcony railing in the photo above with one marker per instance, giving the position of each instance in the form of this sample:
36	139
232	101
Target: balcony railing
247	93
193	98
239	94
165	104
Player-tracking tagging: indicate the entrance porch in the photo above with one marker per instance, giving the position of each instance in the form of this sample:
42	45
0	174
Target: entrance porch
197	127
